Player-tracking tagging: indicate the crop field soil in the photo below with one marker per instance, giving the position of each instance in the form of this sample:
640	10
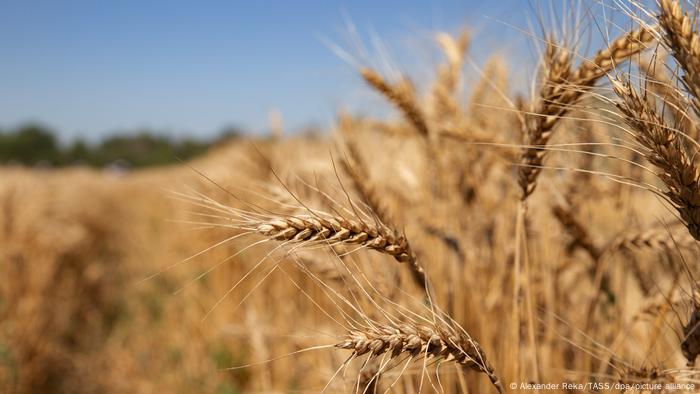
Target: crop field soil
476	240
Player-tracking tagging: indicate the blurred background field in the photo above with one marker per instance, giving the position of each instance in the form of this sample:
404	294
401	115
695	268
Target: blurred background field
78	314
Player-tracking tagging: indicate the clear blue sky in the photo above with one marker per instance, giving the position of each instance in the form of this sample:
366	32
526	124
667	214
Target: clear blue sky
89	68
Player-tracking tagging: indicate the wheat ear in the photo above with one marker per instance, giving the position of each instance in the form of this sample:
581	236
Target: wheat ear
402	95
681	36
337	230
440	342
666	151
562	87
654	239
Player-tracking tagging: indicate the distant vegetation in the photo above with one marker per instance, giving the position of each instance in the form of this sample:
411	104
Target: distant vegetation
36	145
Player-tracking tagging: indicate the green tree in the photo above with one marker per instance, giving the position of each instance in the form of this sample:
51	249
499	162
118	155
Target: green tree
29	144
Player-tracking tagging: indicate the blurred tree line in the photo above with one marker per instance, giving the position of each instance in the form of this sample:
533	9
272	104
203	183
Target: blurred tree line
36	145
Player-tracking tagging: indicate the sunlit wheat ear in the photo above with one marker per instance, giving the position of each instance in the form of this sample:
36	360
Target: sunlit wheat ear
664	148
326	228
439	342
681	37
402	95
562	87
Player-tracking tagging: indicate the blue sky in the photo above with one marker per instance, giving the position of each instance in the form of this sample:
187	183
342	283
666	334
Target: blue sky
90	68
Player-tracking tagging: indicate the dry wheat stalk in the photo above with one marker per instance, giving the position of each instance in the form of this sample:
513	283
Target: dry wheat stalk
338	230
683	40
562	88
440	342
664	149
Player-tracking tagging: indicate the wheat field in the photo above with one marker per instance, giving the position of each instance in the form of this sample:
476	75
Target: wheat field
480	240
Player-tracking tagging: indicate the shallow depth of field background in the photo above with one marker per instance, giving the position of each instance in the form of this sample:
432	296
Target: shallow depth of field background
110	113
